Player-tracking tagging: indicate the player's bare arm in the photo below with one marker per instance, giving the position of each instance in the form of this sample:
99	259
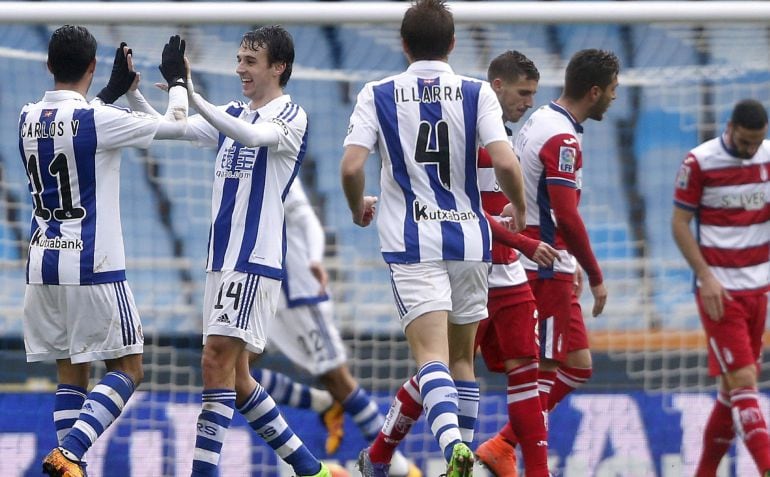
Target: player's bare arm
712	293
353	179
510	178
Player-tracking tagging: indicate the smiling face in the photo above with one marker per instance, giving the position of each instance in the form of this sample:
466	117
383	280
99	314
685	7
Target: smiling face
258	77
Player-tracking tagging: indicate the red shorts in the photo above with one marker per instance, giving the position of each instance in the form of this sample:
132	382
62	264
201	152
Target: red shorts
510	332
562	329
735	341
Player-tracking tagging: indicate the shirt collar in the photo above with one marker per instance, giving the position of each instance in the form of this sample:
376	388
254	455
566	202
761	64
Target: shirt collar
429	66
560	109
272	108
61	95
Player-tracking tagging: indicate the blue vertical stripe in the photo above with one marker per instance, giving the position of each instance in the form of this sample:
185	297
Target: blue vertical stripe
84	145
385	106
50	197
547	227
452	238
254	207
33	223
470	90
220	228
123	330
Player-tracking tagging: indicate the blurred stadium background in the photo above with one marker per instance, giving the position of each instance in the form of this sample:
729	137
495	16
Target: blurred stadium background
642	412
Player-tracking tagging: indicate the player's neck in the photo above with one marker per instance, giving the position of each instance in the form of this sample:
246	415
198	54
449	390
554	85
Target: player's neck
258	100
577	109
78	87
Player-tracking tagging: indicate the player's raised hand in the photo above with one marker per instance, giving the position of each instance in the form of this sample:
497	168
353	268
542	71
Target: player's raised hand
121	78
172	63
365	215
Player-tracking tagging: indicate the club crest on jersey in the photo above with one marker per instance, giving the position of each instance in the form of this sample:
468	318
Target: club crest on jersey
683	177
567	159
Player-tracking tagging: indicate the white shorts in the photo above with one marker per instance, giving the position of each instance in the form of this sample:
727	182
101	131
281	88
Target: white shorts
83	323
239	304
307	335
460	288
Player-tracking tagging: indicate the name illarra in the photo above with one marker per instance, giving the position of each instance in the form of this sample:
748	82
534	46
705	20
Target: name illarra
429	94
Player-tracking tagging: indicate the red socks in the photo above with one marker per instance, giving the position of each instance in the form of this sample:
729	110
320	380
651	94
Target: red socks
717	437
526	419
567	380
750	425
404	411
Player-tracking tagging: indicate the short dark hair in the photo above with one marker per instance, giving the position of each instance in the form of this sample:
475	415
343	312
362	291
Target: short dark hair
511	65
589	68
749	114
427	29
70	50
278	44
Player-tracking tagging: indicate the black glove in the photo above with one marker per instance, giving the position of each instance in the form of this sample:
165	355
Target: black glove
120	79
172	62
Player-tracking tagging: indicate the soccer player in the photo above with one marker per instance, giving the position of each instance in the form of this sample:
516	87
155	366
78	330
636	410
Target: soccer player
549	147
260	146
724	182
78	307
425	122
508	339
304	330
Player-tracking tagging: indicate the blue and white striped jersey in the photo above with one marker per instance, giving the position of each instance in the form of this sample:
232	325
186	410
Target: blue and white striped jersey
305	244
250	184
71	151
428	123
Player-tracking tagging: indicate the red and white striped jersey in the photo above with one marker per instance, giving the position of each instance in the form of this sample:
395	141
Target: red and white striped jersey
549	148
731	199
70	149
506	270
427	124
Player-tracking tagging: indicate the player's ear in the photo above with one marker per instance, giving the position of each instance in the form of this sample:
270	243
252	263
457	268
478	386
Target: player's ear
48	65
91	66
451	46
496	84
279	67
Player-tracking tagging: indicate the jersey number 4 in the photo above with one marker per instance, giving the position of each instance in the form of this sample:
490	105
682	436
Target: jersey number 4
59	170
440	155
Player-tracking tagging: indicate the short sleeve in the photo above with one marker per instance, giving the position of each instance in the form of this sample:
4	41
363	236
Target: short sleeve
688	187
362	128
291	130
119	127
490	117
561	157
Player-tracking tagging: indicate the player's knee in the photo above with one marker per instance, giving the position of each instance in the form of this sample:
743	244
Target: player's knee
745	377
130	365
